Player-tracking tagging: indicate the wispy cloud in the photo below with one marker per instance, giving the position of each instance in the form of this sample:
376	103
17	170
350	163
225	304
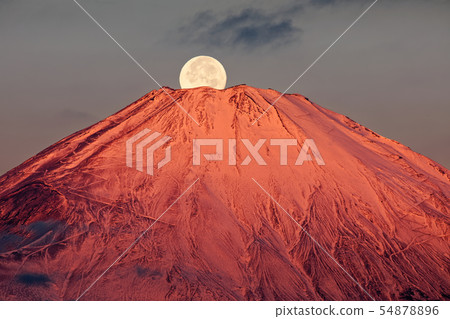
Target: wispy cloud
247	28
322	2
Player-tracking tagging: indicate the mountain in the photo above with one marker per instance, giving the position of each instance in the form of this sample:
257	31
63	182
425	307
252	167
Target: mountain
371	220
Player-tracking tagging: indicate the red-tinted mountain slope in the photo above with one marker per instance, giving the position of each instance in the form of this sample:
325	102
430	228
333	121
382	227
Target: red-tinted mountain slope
376	207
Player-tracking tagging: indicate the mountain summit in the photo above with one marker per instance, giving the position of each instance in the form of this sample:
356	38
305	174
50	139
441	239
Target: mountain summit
355	216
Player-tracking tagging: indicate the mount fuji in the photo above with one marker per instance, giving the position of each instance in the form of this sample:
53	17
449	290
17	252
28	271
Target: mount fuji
370	222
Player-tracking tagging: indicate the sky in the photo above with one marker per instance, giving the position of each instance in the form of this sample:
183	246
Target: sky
59	72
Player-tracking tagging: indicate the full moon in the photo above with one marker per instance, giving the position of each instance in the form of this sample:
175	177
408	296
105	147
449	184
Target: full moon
203	71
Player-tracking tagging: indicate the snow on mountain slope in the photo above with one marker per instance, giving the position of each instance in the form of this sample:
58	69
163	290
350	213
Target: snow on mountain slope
378	208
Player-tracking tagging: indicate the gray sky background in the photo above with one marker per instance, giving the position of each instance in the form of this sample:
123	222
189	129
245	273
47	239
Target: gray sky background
60	73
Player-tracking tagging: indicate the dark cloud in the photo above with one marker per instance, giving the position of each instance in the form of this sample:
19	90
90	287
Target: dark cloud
248	28
33	279
322	2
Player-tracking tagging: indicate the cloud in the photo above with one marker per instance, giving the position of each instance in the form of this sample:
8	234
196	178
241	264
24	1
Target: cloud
322	2
248	28
33	279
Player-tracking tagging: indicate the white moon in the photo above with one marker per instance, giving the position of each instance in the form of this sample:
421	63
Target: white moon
203	71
